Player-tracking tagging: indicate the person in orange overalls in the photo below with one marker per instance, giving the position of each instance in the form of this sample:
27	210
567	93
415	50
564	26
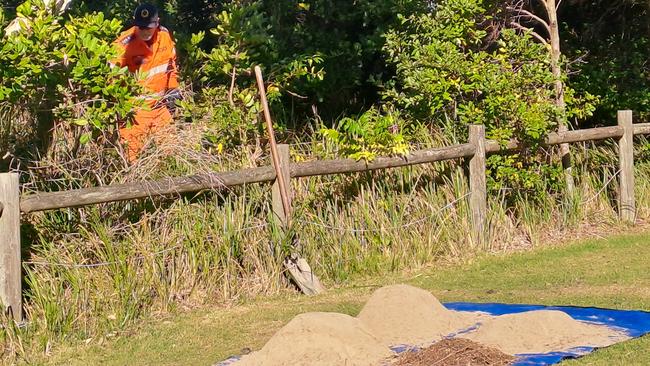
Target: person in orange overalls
148	50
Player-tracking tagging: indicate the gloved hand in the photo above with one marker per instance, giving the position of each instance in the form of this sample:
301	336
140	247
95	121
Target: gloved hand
170	99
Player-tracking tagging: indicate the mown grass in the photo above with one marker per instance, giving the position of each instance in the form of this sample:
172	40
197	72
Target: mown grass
608	273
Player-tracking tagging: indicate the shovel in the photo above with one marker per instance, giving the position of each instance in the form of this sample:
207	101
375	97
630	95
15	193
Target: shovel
298	268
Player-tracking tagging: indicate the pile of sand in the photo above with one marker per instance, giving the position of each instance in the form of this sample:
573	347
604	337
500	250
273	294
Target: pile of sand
540	332
402	314
320	339
406	315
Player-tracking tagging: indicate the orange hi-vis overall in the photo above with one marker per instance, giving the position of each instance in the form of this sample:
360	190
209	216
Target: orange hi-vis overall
155	66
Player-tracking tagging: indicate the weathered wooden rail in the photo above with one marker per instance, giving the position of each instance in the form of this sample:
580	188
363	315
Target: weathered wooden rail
12	204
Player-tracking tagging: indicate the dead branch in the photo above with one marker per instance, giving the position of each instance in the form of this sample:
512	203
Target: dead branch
530	31
232	86
295	94
527	14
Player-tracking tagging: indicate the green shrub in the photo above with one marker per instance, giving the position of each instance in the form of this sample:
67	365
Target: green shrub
244	40
370	135
452	72
57	70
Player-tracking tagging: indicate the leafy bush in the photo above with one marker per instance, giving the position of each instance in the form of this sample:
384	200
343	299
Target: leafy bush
372	134
452	72
446	72
226	126
623	83
244	41
609	42
57	70
349	36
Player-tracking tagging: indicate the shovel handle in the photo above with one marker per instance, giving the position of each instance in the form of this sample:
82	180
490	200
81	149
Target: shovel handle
274	150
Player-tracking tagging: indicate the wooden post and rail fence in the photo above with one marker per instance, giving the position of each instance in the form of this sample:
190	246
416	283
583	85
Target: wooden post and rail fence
12	204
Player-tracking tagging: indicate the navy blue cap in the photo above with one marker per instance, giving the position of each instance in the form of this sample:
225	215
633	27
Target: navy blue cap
145	16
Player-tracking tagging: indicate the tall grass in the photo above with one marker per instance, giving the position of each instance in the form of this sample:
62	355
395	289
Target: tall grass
93	271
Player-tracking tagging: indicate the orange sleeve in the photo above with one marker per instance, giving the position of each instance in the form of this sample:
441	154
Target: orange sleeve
173	69
120	46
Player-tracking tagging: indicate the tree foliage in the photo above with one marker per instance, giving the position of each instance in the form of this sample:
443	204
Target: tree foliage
447	64
452	71
610	41
58	71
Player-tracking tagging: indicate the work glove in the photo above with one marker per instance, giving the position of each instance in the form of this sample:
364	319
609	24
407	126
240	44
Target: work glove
170	98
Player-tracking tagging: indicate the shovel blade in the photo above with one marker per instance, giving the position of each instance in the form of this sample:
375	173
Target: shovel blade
301	273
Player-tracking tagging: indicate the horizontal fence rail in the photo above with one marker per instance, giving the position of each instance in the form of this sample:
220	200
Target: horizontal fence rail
130	191
12	204
340	166
642	129
171	186
591	134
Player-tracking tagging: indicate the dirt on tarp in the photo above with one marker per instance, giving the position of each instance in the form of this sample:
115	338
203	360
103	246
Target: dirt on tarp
320	339
454	352
541	331
402	314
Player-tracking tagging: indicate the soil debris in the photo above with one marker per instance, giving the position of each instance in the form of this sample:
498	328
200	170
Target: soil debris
454	352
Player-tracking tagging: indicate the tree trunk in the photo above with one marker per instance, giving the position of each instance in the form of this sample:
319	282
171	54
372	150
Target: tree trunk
565	154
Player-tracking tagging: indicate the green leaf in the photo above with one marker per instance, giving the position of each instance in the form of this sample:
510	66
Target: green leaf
85	138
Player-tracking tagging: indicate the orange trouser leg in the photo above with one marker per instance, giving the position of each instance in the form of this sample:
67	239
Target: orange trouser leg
146	123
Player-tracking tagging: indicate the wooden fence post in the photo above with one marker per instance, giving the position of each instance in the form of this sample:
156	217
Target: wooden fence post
477	185
297	267
10	265
627	207
278	209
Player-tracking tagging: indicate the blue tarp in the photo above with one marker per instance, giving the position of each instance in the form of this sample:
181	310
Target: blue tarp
633	322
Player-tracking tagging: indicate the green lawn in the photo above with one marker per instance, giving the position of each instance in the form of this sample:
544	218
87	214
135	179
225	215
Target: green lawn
613	273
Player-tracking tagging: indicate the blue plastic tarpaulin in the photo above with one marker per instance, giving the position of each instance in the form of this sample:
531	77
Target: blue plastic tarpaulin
635	323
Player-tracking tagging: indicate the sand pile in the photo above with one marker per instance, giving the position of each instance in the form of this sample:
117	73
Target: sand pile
320	339
406	315
540	332
402	314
